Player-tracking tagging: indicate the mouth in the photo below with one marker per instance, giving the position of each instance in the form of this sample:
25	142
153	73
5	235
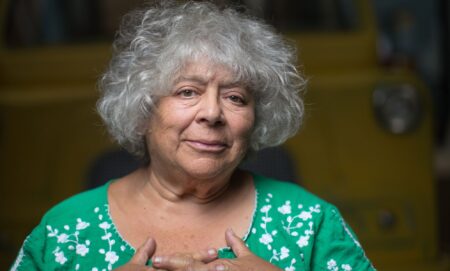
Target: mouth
207	145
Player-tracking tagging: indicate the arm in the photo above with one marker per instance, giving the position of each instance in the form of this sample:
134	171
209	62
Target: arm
30	257
336	247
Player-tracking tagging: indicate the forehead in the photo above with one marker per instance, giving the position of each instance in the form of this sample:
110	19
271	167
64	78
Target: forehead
205	71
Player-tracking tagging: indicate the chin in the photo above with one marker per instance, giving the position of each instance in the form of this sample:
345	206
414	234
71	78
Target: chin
202	170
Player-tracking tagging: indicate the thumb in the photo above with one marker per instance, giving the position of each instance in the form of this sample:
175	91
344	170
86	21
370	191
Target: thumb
144	252
237	245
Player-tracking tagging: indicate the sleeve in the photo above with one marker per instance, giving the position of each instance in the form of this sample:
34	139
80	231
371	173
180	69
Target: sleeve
336	247
31	254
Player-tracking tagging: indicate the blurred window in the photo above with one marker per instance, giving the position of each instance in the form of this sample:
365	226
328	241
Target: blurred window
47	22
307	15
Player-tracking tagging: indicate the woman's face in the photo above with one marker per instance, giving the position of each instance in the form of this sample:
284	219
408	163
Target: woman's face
203	126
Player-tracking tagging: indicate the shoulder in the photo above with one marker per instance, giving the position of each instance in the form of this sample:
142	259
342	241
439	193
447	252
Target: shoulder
282	192
290	204
307	225
74	214
78	205
63	232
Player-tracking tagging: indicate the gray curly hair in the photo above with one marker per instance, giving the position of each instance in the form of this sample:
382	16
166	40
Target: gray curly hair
155	42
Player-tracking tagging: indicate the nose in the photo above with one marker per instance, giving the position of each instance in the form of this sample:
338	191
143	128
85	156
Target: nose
210	109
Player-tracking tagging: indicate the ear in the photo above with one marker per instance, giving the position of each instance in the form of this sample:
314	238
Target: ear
237	244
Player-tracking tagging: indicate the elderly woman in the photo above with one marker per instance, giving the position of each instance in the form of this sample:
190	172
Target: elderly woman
193	90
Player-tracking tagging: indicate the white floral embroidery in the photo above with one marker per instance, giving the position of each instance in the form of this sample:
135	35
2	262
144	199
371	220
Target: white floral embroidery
284	253
286	208
59	256
111	256
346	267
266	208
105	225
82	249
293	223
303	241
332	265
71	239
266	239
292	227
291	267
304	215
62	238
81	225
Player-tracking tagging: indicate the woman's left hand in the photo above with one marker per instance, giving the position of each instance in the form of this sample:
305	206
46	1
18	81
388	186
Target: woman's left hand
245	260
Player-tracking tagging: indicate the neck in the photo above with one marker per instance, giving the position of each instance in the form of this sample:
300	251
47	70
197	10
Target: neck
184	189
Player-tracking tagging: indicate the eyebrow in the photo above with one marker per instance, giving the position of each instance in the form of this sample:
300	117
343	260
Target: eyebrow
203	81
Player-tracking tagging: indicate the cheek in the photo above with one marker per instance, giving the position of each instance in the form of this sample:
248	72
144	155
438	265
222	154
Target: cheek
244	126
173	117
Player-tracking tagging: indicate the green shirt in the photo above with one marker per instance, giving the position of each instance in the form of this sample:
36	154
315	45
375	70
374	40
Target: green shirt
291	228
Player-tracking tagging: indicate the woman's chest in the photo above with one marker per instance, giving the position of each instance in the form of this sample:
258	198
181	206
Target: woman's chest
185	236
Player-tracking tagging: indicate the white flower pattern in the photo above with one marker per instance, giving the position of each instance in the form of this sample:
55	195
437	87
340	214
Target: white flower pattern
266	239
293	224
82	249
62	238
332	265
69	239
59	256
111	256
72	242
273	219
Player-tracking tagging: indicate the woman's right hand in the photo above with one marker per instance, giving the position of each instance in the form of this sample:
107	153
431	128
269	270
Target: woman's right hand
177	260
140	258
185	261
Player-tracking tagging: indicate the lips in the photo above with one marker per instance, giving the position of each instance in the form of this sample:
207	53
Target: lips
207	145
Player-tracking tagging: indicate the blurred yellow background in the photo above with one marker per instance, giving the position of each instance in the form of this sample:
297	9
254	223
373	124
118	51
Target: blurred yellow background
368	142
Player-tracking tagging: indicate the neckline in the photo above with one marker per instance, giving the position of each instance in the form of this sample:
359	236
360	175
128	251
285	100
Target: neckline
255	179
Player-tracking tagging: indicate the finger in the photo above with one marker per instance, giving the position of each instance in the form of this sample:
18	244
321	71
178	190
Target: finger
206	255
144	252
175	261
178	262
237	244
223	265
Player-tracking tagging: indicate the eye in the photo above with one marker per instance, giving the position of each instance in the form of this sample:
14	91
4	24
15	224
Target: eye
187	93
237	99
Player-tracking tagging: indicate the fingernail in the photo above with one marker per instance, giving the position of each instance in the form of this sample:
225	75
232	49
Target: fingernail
157	259
221	267
212	252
